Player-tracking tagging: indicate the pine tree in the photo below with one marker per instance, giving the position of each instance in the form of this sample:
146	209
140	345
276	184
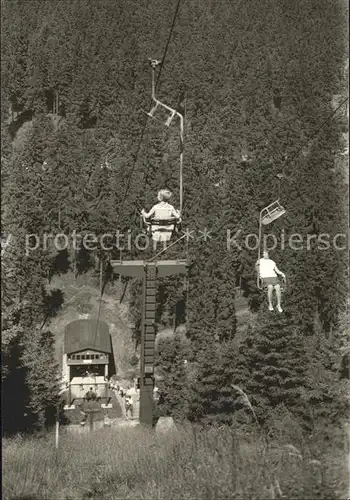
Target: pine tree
172	385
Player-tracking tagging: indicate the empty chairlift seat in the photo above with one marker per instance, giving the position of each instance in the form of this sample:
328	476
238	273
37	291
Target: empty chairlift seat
271	213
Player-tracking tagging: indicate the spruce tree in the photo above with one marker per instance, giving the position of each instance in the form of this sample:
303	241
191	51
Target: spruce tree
172	386
272	365
41	378
210	397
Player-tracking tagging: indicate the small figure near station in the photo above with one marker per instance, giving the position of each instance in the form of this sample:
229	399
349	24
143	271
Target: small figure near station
106	420
162	218
268	274
90	395
156	394
129	410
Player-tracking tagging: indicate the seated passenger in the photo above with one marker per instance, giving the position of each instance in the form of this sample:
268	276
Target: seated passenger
268	273
163	217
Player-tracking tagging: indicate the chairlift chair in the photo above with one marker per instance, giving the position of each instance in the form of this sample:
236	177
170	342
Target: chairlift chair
268	215
172	112
162	105
160	229
263	287
271	213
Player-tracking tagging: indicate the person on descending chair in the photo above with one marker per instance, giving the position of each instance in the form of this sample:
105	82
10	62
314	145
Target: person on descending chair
163	217
268	273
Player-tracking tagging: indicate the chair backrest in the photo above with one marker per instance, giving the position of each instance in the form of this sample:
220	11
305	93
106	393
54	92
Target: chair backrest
163	222
172	223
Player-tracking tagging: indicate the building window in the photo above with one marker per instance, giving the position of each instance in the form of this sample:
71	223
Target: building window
77	356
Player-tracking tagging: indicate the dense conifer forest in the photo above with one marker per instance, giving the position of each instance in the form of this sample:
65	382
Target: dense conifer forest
263	85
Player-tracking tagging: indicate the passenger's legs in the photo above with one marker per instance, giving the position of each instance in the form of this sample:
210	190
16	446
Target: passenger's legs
269	296
278	295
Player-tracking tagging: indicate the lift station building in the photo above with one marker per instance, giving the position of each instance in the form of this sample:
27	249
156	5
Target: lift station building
87	357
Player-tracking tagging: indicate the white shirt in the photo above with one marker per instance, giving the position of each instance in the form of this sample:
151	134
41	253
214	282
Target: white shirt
163	211
267	268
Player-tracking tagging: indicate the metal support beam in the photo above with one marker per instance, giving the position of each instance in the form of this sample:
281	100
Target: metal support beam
148	271
136	268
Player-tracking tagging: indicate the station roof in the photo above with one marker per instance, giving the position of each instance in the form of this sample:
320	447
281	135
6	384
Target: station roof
85	334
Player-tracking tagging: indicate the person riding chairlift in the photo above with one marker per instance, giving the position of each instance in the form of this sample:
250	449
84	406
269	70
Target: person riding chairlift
269	272
163	217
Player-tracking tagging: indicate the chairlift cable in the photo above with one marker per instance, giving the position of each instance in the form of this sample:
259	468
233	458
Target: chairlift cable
135	162
168	41
171	245
156	86
146	121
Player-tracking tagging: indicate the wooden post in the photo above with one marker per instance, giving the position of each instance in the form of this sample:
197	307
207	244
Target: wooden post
148	271
91	421
57	433
75	263
57	430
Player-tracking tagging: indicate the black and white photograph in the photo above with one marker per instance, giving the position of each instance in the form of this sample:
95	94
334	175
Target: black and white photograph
175	306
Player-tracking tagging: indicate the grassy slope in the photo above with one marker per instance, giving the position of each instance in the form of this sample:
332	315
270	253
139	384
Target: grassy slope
134	463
